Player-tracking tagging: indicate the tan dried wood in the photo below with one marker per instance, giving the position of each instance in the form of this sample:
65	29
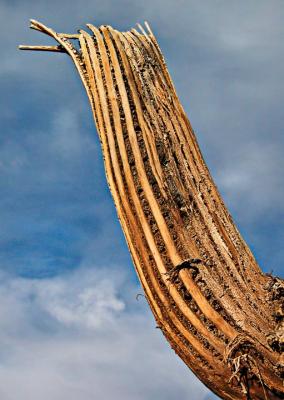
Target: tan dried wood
220	313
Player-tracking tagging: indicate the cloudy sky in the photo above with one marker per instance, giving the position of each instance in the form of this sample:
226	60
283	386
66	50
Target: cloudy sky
70	326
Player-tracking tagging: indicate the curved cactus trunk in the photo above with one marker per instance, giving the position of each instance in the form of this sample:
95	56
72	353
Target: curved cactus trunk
218	311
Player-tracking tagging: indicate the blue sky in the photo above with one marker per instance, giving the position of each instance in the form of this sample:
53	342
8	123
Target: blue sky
71	327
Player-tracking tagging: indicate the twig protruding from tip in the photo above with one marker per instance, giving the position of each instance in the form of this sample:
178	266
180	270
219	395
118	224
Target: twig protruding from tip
36	25
57	49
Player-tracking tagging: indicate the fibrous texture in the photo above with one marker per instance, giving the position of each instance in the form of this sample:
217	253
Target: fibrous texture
218	311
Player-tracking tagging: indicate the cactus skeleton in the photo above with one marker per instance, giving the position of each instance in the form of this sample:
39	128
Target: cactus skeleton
208	295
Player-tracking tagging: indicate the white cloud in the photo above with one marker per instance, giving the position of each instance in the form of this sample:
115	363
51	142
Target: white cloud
84	336
80	299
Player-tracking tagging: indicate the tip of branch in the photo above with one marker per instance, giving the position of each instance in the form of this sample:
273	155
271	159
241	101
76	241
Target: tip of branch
57	49
34	24
148	27
141	29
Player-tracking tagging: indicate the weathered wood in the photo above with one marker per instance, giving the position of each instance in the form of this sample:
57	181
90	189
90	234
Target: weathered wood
219	312
56	49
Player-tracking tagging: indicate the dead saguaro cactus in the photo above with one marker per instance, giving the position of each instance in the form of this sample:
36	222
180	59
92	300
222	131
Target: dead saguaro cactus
219	312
